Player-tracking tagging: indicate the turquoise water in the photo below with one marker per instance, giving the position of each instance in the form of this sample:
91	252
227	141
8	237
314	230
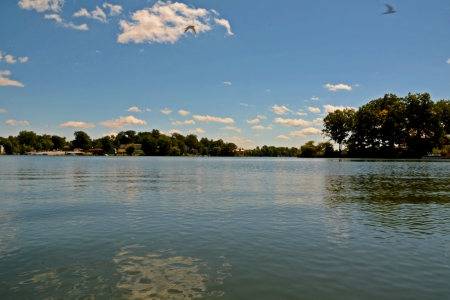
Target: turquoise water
223	228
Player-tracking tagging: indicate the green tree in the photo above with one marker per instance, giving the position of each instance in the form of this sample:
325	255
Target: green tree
165	145
82	140
308	150
58	142
106	143
338	125
130	149
28	138
150	145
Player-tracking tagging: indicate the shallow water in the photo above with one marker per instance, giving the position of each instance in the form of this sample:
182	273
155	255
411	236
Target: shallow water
223	228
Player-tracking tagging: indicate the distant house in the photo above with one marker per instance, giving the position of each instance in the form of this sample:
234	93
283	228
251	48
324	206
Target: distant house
66	148
240	152
77	150
2	149
96	151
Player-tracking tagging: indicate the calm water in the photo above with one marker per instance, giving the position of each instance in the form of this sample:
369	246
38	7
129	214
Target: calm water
223	228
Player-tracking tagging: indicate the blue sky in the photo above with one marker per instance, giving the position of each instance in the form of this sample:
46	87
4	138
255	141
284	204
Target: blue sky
258	72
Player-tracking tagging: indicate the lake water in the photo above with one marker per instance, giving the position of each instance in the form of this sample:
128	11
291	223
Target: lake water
223	228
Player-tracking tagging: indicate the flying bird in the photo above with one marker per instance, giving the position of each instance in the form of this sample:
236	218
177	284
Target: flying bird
190	27
389	11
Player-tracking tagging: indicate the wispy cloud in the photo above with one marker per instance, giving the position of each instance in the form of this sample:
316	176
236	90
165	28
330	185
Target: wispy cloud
23	59
292	122
166	111
305	132
281	110
15	123
187	122
241	140
123	121
41	5
174	131
148	110
314	98
76	125
96	14
134	109
113	9
61	22
336	87
255	121
165	22
300	113
283	137
262	117
315	110
243	104
227	82
197	130
6	81
330	108
2	111
231	128
318	121
259	127
214	119
183	112
225	24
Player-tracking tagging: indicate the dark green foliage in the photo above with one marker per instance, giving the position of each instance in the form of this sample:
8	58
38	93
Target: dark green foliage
82	140
130	149
150	145
58	142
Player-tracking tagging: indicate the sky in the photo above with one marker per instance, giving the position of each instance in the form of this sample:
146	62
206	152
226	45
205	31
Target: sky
256	73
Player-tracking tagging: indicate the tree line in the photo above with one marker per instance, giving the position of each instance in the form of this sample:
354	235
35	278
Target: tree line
391	126
153	143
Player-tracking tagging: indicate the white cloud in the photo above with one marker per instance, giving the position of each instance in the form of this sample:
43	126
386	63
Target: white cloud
336	87
23	59
243	104
183	112
2	110
305	132
225	24
197	130
300	113
314	98
134	109
241	140
174	131
330	108
164	22
262	117
357	85
227	82
10	59
97	14
123	121
448	61
187	122
281	110
166	111
215	12
315	110
41	5
148	110
6	81
259	127
112	132
231	128
255	121
15	123
214	119
283	137
61	22
292	122
318	121
113	9
268	91
76	125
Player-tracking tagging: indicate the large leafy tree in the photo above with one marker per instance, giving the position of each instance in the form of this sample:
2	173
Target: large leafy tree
58	142
82	140
149	145
338	125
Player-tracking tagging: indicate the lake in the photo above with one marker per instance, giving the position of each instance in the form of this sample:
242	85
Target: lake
223	228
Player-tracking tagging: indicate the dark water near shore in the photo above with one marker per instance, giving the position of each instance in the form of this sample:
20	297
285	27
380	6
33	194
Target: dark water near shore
223	228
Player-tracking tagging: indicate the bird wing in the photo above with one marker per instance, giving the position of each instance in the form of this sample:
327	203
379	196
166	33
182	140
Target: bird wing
390	9
193	29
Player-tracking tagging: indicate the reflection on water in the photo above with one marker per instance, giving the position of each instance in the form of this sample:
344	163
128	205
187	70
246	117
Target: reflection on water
165	275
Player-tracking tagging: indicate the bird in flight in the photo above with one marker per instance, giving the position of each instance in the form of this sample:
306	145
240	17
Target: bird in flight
190	27
389	11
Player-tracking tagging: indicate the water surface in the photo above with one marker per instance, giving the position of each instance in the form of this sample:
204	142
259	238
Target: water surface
223	228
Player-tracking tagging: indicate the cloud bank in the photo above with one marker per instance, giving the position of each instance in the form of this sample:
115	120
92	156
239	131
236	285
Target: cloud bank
76	125
214	119
305	132
292	122
15	123
123	121
336	87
